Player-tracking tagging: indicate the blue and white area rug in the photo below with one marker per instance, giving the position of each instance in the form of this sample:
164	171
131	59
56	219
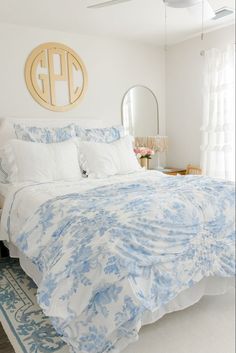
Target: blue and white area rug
27	328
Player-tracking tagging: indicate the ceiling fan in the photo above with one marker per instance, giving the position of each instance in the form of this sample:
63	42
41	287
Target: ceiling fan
194	6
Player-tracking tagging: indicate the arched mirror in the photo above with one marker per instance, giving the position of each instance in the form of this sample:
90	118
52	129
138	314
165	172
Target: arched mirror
140	114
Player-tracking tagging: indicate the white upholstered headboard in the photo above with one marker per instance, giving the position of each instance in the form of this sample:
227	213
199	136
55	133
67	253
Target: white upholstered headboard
7	131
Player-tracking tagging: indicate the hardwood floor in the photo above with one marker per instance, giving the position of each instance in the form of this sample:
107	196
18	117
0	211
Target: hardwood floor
5	346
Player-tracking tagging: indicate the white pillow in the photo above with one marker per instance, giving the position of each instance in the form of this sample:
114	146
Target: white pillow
100	160
39	162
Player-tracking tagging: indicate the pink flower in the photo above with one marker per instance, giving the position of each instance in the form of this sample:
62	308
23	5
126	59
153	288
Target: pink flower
144	152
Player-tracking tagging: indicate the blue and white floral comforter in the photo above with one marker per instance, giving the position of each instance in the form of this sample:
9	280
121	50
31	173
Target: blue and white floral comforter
111	255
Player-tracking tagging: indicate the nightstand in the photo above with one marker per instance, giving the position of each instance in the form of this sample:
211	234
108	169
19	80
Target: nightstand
173	171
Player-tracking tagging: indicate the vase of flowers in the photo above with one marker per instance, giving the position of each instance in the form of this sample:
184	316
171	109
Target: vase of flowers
144	154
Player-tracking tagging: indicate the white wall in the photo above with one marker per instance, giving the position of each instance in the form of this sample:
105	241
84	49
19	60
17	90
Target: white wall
184	74
113	67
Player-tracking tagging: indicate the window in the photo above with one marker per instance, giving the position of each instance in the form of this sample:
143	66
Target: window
218	129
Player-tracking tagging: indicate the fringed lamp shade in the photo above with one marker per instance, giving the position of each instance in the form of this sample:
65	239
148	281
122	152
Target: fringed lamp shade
157	143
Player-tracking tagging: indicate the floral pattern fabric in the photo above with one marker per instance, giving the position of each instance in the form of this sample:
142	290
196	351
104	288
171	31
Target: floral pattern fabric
51	135
44	135
114	254
105	135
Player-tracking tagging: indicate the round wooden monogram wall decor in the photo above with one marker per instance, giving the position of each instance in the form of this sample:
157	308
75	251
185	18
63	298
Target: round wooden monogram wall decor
55	76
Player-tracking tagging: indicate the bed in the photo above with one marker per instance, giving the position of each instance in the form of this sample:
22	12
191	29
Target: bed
110	255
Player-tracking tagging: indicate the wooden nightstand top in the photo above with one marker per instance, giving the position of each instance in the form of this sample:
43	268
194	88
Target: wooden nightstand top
173	171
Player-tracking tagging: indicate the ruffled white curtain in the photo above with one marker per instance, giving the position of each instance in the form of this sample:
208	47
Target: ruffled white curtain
218	129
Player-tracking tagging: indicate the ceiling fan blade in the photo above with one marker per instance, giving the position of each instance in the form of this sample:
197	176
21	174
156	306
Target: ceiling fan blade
107	3
178	4
196	10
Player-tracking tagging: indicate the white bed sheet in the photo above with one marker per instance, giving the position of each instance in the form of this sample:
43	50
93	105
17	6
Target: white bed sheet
22	200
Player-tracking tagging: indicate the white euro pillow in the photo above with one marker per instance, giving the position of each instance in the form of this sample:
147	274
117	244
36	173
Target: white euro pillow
40	162
100	160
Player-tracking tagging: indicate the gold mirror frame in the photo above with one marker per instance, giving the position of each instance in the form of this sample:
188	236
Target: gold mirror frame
69	59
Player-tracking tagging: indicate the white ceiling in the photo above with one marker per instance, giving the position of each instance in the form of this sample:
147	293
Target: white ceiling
141	20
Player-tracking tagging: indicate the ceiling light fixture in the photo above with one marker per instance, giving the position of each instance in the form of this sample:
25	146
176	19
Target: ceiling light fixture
181	3
106	4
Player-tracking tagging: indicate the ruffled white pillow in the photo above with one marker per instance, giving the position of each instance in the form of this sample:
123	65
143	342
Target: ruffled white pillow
100	160
39	162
